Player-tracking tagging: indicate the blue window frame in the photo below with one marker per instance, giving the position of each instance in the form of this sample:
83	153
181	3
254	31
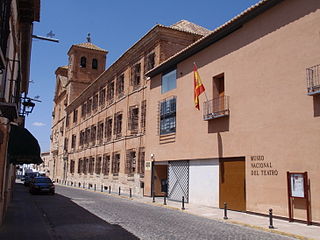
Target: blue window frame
169	81
168	116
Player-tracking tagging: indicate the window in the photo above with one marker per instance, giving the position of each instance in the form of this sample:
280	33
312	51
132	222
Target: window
87	137
83	110
115	163
93	134
89	106
117	124
72	163
120	86
94	63
106	164
73	141
168	116
133	122
91	165
85	165
108	129
131	161
83	62
98	166
141	160
100	132
143	116
136	76
95	102
81	139
110	92
65	145
168	81
67	120
80	166
75	115
102	97
150	62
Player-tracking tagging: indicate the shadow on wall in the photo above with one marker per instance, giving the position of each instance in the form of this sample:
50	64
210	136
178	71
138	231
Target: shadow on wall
218	125
316	106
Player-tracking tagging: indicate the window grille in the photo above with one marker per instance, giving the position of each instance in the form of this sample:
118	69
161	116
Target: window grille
120	86
75	115
133	121
102	97
95	103
89	107
108	129
110	92
73	141
91	165
87	137
141	160
72	163
85	165
100	132
98	165
93	134
117	125
131	161
80	166
143	116
115	163
83	110
106	164
136	76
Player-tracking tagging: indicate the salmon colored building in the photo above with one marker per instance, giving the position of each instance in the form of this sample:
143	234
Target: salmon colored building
258	118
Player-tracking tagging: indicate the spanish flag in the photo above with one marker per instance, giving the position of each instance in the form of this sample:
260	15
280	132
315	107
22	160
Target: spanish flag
198	86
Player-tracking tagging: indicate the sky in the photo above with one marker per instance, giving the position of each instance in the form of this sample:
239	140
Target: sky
114	26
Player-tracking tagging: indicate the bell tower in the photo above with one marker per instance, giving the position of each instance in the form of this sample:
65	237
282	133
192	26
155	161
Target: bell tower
86	62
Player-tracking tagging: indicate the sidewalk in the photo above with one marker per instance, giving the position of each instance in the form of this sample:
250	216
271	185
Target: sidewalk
283	227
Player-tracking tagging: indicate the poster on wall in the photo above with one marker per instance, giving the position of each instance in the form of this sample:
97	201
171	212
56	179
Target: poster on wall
297	185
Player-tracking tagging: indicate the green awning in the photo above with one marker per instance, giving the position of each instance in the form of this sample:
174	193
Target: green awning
23	147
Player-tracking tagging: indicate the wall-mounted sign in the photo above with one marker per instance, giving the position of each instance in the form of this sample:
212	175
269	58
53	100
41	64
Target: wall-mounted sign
297	185
148	166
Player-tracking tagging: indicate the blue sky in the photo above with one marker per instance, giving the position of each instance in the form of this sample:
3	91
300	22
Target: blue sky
114	26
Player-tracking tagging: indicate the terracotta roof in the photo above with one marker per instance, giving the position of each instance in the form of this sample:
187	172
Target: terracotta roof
214	35
187	26
65	67
89	45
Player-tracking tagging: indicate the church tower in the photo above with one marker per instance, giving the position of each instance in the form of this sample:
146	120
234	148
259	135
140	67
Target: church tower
86	62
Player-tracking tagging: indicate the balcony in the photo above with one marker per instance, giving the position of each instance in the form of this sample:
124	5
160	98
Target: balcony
313	80
216	108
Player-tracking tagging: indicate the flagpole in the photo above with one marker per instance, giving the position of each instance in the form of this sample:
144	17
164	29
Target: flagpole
205	94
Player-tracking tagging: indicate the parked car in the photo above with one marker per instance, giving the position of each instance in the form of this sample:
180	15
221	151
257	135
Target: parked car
29	176
41	184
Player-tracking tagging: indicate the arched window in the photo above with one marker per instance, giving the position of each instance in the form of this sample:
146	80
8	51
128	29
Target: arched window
83	62
94	63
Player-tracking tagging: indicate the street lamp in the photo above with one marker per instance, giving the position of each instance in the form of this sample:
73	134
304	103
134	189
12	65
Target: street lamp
28	106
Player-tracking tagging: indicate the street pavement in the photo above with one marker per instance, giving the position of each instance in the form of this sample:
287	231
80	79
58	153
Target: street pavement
75	213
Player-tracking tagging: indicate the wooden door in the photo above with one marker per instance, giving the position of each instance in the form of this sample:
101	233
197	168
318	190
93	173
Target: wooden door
232	183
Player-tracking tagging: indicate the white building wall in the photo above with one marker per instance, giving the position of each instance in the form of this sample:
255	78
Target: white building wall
204	182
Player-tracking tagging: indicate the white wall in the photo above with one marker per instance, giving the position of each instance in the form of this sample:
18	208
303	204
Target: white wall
204	182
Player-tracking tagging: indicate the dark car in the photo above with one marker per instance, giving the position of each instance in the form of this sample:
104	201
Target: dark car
41	185
29	176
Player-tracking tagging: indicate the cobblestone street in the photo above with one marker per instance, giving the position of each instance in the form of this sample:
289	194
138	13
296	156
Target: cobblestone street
152	222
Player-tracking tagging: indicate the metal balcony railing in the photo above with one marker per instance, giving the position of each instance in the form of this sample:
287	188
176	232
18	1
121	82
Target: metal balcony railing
215	108
313	80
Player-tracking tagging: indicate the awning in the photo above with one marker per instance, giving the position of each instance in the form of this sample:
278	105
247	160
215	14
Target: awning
23	147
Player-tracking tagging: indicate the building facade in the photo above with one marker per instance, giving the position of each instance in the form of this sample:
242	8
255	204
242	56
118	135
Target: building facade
259	116
99	117
16	22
